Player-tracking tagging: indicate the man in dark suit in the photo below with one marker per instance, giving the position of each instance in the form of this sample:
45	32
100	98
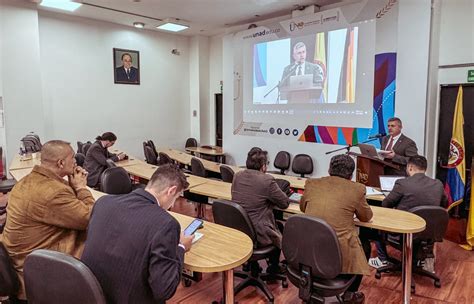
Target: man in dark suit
126	72
415	190
399	147
258	193
336	199
301	67
134	247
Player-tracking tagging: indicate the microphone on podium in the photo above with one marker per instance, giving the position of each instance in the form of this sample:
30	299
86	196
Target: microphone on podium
377	136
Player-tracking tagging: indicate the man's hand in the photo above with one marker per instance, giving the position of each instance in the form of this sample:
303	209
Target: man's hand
186	241
389	155
78	179
121	156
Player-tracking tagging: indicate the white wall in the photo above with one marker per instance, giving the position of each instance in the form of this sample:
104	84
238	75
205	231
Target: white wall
215	77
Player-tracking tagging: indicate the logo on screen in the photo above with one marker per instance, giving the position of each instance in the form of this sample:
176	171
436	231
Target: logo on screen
295	132
294	25
287	132
279	130
272	130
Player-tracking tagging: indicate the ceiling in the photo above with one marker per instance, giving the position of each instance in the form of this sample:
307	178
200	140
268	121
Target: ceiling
205	17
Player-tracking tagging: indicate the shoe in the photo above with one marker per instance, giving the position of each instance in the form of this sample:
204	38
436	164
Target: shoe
350	297
377	263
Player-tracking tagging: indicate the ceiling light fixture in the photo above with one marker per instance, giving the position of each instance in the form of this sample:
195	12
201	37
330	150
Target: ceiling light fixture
139	24
61	5
173	25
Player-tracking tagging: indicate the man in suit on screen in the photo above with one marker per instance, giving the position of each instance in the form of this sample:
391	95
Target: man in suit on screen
301	67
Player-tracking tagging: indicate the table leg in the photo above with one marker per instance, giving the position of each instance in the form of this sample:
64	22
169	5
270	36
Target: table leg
407	267
228	280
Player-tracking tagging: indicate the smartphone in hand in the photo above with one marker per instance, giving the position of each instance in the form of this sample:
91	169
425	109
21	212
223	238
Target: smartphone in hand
195	225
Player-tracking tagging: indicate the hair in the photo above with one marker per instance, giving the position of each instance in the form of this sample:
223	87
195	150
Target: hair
299	45
127	54
107	136
418	161
342	165
167	176
256	159
54	150
396	119
253	150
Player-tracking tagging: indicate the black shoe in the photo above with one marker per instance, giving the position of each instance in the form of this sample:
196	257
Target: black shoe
353	297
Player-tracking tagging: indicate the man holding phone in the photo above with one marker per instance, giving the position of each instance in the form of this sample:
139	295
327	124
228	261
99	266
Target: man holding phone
134	246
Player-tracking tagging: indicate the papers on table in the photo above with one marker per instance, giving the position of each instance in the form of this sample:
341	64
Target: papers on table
197	236
296	196
371	191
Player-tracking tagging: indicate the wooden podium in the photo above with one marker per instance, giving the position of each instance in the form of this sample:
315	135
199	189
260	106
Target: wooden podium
370	168
301	95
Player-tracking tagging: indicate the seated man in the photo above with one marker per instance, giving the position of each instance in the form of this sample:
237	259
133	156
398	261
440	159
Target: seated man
134	246
47	212
336	199
415	190
258	193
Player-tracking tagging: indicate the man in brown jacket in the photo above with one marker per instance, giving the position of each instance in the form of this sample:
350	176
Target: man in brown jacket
336	199
47	212
258	193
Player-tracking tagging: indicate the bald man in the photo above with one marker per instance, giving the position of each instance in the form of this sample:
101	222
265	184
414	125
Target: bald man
46	211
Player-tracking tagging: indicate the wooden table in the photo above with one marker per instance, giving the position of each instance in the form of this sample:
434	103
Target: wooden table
216	152
20	173
20	162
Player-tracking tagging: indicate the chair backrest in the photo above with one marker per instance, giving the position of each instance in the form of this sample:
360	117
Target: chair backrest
54	277
86	147
282	161
164	159
232	215
150	156
110	163
80	144
436	223
115	181
227	173
302	164
151	144
80	158
191	142
197	168
318	250
9	283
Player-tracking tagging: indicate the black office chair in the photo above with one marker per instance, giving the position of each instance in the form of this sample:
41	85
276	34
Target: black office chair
115	181
227	174
151	144
423	242
302	164
86	147
9	283
80	145
191	142
231	214
80	158
56	278
110	163
315	260
197	168
164	159
6	185
282	161
150	156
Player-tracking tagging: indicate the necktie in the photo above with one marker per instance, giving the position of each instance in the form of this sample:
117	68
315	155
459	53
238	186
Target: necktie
299	70
128	73
390	144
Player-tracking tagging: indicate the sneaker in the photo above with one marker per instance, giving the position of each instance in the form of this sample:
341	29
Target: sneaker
353	297
377	263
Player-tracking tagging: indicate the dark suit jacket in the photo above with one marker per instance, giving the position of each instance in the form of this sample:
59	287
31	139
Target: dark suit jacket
309	68
403	148
121	75
132	249
416	190
95	162
336	200
258	193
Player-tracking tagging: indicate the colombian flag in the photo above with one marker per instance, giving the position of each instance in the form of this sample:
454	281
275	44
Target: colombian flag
470	222
456	179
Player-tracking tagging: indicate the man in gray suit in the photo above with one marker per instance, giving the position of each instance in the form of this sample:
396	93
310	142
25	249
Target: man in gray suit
301	67
415	190
258	193
399	147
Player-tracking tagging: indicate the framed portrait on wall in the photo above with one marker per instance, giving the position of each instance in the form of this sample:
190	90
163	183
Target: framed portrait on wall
126	66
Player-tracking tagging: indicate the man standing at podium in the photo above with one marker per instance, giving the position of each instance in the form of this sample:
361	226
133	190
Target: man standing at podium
301	67
399	147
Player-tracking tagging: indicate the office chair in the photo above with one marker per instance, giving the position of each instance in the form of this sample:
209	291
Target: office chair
227	173
9	283
55	278
80	158
150	156
115	181
151	144
191	142
197	168
315	260
282	162
423	242
164	159
86	147
231	214
302	164
80	144
110	163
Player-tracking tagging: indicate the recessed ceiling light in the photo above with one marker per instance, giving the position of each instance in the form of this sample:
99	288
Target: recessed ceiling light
173	25
61	4
139	24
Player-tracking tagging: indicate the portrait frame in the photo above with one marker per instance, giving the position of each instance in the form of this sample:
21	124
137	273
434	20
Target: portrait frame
122	75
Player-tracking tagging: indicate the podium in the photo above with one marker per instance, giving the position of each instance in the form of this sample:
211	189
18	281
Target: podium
310	94
370	168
